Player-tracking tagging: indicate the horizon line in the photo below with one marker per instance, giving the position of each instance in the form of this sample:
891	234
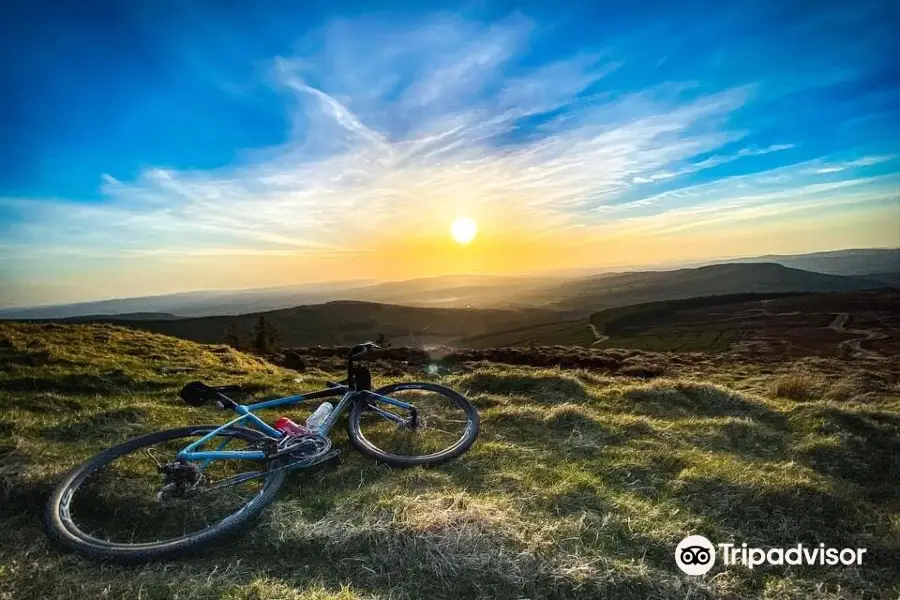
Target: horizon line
575	273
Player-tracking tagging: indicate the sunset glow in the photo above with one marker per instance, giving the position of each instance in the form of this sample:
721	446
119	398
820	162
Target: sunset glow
337	146
463	230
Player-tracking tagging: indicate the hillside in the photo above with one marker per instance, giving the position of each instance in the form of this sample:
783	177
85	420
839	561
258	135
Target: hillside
448	291
888	279
837	324
347	322
457	291
583	288
562	318
139	316
607	291
857	262
193	304
580	486
773	325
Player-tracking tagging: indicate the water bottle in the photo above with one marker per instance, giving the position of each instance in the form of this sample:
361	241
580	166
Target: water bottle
315	420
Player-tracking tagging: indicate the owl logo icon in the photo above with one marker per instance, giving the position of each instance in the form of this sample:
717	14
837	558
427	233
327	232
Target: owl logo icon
695	555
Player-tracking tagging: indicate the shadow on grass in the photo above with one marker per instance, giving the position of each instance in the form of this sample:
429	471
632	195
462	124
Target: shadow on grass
28	358
785	517
20	494
549	428
541	389
446	559
679	399
781	516
445	562
317	491
108	425
8	428
43	403
647	481
83	384
744	438
863	449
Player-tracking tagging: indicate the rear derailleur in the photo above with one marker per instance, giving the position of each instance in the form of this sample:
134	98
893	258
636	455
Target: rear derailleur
181	479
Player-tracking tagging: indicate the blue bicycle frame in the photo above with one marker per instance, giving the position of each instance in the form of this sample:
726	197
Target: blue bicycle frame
246	416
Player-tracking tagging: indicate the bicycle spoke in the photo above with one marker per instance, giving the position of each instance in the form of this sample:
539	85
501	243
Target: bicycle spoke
439	424
453	435
143	509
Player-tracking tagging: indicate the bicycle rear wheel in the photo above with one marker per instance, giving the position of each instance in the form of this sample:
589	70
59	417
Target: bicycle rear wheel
446	424
119	507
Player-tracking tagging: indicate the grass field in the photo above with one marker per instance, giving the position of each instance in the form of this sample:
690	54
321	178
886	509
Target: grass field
676	339
784	325
348	322
575	332
580	485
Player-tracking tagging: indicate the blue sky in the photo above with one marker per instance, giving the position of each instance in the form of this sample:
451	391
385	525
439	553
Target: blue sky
150	147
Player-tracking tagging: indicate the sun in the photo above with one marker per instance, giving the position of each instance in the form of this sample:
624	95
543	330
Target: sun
463	230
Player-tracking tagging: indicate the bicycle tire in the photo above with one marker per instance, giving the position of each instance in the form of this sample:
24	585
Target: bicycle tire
363	445
62	531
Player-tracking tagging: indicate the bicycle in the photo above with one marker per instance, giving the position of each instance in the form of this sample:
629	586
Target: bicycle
98	507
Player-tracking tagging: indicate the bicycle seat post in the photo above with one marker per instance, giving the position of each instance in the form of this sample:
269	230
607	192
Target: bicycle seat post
357	351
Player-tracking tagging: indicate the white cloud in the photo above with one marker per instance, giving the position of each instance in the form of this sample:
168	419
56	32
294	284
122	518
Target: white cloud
398	133
865	161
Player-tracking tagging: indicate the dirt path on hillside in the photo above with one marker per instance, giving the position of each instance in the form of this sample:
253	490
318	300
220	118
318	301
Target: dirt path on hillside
600	337
840	324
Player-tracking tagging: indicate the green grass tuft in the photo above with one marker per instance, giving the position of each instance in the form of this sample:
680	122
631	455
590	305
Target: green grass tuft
800	387
580	485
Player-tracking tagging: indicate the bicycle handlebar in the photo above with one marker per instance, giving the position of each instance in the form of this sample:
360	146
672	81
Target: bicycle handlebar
360	349
197	393
356	352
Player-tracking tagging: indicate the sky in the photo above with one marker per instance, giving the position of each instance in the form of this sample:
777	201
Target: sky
149	147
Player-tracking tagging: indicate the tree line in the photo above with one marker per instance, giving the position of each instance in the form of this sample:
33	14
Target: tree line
264	337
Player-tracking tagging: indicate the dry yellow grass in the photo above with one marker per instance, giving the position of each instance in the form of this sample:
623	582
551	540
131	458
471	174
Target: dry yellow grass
580	486
800	387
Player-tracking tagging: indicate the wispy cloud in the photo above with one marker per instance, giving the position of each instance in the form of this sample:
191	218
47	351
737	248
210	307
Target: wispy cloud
395	133
865	161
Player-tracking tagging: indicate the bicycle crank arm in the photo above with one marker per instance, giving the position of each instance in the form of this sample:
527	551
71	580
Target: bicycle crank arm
330	457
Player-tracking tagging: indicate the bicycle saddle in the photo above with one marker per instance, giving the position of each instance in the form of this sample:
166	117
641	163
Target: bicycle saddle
197	393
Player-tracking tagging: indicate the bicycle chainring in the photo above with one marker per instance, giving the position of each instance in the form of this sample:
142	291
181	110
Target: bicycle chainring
303	448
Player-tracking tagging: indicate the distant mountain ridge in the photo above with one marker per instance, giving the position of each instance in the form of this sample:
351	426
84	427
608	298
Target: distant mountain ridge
607	291
194	304
837	262
560	309
492	291
143	316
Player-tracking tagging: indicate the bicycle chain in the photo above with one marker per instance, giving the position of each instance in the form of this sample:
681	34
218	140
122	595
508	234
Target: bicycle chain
330	454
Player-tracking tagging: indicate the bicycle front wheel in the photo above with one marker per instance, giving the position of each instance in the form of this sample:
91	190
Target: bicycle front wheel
119	506
442	426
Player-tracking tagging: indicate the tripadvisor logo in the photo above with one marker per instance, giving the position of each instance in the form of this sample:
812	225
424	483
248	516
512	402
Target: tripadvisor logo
696	555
